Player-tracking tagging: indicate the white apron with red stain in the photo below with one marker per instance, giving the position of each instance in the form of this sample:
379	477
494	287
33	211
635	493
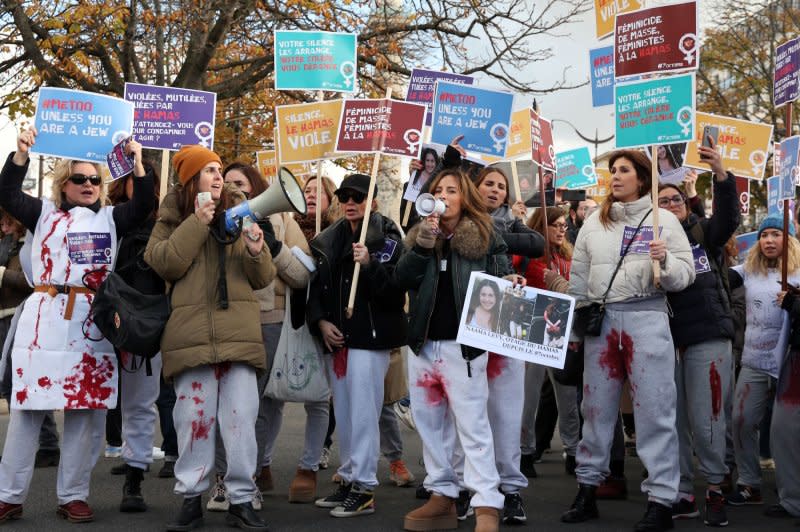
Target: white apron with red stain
55	364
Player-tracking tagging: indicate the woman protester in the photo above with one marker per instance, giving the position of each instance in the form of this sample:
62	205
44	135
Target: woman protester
449	381
284	239
555	278
765	341
786	416
613	264
58	363
359	344
139	380
14	287
702	329
212	346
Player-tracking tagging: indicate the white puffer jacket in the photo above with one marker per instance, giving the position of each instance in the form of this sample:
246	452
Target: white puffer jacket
598	250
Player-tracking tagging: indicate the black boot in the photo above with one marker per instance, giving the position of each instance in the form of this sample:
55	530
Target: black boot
243	516
190	516
132	500
569	465
656	519
584	507
526	466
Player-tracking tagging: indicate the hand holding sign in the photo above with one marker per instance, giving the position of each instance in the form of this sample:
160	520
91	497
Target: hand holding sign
25	141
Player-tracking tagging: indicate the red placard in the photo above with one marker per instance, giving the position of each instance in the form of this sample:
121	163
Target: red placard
743	191
543	152
385	125
656	40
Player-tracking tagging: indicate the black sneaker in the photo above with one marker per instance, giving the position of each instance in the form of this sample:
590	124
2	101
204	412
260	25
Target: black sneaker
422	493
336	498
167	470
526	466
778	511
657	518
358	502
463	508
685	509
744	495
244	516
513	510
715	509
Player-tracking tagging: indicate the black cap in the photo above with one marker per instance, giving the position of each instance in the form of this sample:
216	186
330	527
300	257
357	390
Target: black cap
358	182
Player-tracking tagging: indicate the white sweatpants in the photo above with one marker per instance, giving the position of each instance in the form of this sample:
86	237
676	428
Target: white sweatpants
446	401
138	394
754	391
84	431
356	379
210	397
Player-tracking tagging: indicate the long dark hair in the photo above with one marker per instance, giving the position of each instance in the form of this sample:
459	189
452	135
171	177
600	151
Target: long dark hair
475	301
644	174
472	204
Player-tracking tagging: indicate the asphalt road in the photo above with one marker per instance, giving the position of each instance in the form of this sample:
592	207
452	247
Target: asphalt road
545	498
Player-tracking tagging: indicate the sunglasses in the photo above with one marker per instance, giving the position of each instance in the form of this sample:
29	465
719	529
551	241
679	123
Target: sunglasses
80	179
345	196
675	200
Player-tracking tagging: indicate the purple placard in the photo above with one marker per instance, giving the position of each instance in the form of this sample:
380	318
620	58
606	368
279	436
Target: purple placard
641	243
166	118
119	163
422	84
787	63
89	248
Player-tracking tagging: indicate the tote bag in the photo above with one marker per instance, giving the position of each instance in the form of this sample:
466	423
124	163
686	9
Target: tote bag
298	371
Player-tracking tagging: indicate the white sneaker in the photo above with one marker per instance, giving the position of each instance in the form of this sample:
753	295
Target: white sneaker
220	500
158	454
257	500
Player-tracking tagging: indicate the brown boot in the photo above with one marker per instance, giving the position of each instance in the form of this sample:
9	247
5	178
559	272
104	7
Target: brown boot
264	480
439	513
487	519
304	486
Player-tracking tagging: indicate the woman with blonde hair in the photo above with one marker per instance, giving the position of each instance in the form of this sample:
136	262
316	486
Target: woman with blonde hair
765	343
449	384
555	278
58	362
634	340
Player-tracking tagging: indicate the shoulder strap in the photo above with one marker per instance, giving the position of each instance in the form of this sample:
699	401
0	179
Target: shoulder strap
625	252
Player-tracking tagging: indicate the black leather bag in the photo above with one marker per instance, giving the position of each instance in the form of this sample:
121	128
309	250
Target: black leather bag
130	320
572	372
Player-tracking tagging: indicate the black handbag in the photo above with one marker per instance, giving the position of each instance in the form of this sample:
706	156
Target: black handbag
130	320
589	318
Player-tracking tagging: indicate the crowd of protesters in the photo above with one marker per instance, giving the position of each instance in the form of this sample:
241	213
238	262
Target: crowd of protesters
671	308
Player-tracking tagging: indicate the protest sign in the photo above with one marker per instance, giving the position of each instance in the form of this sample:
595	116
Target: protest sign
543	151
788	166
743	145
601	69
307	131
774	204
482	116
315	60
656	40
656	111
422	85
526	176
786	87
743	191
381	125
606	10
119	163
519	142
575	169
670	162
267	164
519	322
166	118
744	242
603	187
80	125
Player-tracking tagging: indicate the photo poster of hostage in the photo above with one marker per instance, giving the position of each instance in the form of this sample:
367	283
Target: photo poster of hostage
430	157
528	176
523	322
670	162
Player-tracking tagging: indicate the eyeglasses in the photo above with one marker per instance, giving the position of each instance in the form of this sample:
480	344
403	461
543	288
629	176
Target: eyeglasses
80	179
675	200
345	196
560	226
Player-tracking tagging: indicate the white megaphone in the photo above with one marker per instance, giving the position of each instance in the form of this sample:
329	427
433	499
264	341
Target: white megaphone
287	197
426	205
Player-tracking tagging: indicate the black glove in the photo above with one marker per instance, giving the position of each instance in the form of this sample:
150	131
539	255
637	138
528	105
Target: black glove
788	301
273	243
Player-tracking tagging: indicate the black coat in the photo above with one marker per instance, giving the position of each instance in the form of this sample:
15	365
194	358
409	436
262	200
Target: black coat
703	310
131	265
378	321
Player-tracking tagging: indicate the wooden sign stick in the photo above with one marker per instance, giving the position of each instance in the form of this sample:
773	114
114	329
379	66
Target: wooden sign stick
654	195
